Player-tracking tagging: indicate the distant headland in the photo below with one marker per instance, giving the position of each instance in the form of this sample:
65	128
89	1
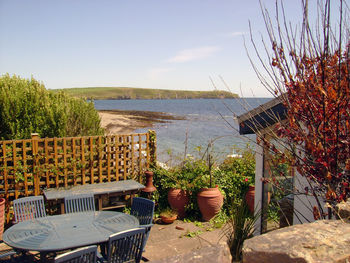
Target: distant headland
126	93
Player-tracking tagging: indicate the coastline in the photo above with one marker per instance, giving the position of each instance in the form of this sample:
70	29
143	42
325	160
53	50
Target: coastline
127	121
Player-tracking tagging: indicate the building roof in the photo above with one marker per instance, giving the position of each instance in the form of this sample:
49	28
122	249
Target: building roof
263	116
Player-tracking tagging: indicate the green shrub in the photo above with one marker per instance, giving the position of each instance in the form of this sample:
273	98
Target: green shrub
235	175
244	166
27	107
233	185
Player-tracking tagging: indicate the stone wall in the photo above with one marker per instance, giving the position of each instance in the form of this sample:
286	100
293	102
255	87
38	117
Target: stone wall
324	241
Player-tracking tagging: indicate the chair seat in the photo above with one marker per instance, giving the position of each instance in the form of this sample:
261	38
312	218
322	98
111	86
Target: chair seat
7	253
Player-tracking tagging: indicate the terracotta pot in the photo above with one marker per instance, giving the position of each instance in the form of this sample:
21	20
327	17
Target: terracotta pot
2	216
250	196
168	220
178	200
210	201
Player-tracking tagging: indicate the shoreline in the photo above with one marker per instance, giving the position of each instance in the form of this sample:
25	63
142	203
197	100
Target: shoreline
127	121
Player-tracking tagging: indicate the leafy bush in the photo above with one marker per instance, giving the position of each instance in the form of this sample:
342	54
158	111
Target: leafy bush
233	185
27	107
234	176
244	166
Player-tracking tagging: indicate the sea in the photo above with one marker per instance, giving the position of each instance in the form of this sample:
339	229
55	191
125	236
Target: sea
208	124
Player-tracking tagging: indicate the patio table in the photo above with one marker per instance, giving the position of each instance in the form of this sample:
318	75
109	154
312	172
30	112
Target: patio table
116	188
66	231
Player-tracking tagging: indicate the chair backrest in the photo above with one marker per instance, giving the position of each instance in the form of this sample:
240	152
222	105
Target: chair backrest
80	255
126	246
143	210
27	208
79	203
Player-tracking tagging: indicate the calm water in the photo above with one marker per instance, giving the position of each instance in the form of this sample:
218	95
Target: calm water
206	119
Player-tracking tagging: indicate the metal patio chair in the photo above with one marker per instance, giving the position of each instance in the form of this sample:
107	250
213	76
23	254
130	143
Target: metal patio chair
7	254
125	246
80	255
79	203
27	208
143	210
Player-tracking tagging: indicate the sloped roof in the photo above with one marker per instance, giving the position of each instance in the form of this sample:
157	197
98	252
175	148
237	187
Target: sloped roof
263	116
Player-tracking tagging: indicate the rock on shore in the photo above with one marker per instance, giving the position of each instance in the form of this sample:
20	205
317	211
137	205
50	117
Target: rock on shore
125	122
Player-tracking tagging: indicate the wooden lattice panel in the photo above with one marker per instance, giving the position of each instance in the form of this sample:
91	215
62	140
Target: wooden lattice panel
29	166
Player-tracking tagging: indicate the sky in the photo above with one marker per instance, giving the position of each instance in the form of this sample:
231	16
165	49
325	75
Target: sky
163	44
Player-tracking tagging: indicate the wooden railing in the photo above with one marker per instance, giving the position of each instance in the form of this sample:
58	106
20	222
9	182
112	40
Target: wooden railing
29	166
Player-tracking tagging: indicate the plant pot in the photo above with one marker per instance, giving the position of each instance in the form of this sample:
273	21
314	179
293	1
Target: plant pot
167	219
249	197
178	200
2	216
210	201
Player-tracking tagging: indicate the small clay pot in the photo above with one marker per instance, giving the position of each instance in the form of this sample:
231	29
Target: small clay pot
168	220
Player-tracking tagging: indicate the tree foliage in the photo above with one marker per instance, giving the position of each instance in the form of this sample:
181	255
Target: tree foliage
319	121
308	69
27	107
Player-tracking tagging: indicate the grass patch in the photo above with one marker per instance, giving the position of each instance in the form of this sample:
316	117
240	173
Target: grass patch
115	93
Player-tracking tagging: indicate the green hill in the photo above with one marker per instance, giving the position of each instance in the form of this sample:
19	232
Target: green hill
119	93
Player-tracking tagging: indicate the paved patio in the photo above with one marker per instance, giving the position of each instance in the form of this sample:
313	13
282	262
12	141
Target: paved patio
170	240
173	239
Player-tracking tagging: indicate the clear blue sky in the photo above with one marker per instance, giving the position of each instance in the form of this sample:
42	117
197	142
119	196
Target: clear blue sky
164	44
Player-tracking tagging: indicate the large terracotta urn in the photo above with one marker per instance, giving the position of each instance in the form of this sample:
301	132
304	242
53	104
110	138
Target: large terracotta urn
2	216
249	197
210	201
178	200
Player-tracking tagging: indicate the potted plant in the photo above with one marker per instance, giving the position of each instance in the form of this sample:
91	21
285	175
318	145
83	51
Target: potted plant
210	201
179	188
168	216
209	198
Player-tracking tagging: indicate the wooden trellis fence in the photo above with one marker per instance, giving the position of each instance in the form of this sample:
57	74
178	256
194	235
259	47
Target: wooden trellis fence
29	166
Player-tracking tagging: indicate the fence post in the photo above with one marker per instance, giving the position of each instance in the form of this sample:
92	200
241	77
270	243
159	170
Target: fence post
35	138
152	148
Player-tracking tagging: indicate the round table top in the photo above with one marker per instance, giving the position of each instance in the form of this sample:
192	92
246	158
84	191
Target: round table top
60	232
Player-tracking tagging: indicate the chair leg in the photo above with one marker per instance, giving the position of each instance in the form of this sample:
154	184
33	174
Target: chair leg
103	249
144	259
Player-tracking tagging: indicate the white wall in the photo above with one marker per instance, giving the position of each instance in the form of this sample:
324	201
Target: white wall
303	204
259	172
